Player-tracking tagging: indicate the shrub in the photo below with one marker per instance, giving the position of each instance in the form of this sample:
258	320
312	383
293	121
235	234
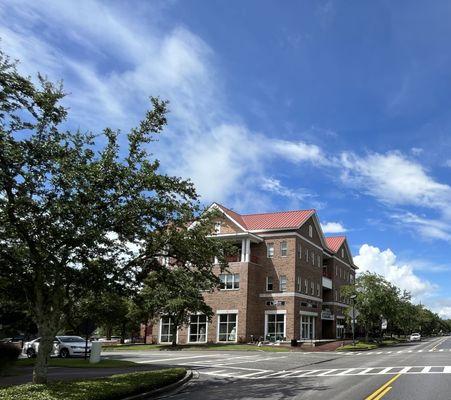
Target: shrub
9	353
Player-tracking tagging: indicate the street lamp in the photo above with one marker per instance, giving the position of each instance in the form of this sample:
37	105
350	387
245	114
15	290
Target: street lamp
353	297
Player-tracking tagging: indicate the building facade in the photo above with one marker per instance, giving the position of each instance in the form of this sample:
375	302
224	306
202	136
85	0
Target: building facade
284	283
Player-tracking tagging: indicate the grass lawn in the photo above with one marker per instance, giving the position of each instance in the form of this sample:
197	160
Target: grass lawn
361	346
77	363
212	346
111	388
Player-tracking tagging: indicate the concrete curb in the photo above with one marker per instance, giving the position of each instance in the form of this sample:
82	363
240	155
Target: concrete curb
162	390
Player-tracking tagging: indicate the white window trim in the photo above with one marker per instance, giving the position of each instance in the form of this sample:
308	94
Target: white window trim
159	334
222	312
280	283
189	331
272	312
233	282
268	246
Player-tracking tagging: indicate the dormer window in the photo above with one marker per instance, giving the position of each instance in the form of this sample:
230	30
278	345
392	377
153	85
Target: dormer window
310	231
217	227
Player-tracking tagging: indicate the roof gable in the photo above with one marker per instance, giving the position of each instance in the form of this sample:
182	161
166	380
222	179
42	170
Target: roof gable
334	243
277	220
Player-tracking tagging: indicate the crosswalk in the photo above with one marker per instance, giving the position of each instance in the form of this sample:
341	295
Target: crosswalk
250	373
393	352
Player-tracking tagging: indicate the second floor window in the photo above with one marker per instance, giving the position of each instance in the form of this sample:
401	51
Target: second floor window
217	227
312	288
283	249
310	231
306	286
299	251
306	255
319	261
269	283
298	284
283	283
270	250
229	281
313	257
318	290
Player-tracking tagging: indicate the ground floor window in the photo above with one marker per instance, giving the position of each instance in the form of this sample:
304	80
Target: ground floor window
227	328
198	328
307	327
340	331
275	327
167	330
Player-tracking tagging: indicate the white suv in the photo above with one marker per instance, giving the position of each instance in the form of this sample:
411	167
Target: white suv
414	337
63	346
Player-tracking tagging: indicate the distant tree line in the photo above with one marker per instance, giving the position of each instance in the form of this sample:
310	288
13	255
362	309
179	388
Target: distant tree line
377	300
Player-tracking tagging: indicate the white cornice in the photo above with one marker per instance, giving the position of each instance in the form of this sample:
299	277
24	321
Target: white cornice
291	294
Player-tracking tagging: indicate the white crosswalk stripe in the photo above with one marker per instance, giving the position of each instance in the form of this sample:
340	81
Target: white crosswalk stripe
379	353
325	373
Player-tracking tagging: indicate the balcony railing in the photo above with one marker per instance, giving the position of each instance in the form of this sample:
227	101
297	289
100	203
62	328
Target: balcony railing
237	258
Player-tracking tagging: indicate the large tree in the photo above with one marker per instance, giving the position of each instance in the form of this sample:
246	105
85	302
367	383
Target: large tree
79	213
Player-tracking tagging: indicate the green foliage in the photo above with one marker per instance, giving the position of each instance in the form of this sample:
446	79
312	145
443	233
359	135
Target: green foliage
377	299
81	216
110	388
9	353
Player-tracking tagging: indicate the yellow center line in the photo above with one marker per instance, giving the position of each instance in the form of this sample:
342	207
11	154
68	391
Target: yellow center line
384	389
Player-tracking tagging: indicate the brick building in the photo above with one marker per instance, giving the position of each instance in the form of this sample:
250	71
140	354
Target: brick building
284	283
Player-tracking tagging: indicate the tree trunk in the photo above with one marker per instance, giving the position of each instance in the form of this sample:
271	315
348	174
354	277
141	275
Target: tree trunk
123	333
45	347
145	333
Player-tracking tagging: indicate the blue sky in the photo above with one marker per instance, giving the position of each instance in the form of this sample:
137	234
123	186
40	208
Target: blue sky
339	106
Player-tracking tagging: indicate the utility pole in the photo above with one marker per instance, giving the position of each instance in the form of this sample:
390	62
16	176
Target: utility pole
353	319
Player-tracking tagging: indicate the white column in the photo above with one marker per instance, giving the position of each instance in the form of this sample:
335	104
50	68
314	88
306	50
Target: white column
248	250
243	250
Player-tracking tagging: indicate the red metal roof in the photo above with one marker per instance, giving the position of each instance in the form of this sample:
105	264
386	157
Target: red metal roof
275	220
335	242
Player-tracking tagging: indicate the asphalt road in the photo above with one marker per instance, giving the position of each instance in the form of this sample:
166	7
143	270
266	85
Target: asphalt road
419	370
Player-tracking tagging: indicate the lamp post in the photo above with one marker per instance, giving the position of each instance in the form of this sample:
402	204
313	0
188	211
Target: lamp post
353	319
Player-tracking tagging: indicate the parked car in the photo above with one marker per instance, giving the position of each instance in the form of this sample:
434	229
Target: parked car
415	337
63	346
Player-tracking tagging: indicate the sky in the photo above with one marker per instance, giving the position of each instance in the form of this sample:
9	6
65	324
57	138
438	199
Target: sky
339	106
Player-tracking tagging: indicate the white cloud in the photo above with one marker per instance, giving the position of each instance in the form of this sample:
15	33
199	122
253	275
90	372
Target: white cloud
416	151
333	227
428	228
299	152
394	179
299	197
448	163
384	262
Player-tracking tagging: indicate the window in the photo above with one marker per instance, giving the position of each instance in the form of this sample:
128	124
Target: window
307	327
283	248
306	255
342	253
336	295
298	284
319	261
275	303
306	286
336	271
312	257
167	330
340	273
312	288
310	231
229	281
318	290
217	227
269	283
227	328
270	250
275	327
300	251
283	283
351	278
198	328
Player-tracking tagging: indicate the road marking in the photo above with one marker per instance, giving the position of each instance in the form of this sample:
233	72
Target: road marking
379	393
420	351
327	372
425	370
365	371
440	350
447	370
404	370
346	371
172	359
384	371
